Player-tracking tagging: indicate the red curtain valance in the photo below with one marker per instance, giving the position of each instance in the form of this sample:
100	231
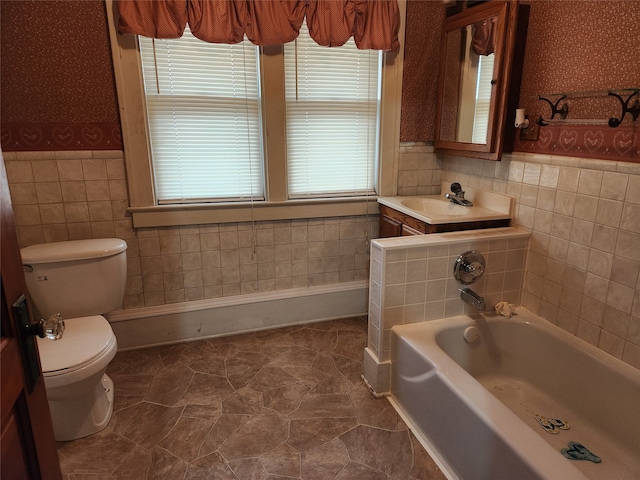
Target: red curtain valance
484	36
372	23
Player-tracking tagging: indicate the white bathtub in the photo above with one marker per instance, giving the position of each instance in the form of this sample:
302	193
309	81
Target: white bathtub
472	404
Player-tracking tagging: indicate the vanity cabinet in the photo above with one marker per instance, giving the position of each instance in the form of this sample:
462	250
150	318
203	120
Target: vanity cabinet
397	224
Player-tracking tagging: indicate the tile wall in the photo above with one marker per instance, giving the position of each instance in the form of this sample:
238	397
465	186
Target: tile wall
584	260
73	195
83	194
419	169
412	278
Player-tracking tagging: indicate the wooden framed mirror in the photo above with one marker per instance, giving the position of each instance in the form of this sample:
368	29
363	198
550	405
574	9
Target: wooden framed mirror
482	55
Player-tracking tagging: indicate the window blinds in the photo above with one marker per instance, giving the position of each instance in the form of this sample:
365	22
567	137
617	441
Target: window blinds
332	108
203	106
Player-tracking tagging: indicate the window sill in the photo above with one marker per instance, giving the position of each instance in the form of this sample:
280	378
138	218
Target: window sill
198	214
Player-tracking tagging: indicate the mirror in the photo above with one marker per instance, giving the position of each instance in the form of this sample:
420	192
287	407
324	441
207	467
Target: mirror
477	80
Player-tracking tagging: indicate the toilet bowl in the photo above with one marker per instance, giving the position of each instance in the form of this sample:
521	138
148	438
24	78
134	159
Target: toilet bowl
79	391
80	280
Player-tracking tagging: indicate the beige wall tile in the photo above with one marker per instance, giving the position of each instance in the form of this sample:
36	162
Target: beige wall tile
23	194
73	191
104	229
568	179
602	251
97	190
48	192
45	171
630	219
614	185
80	231
19	172
55	233
70	170
52	213
94	169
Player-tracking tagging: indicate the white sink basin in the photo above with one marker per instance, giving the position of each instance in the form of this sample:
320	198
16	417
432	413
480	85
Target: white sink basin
436	209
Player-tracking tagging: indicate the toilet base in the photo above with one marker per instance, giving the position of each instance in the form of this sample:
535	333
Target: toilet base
83	415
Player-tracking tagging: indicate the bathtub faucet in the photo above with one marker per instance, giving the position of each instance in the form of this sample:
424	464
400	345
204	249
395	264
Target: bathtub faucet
470	297
458	196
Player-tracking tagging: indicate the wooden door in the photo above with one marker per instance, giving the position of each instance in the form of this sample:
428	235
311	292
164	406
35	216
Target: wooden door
27	446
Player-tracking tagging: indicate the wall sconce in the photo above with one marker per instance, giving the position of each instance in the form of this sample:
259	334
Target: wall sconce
528	128
522	121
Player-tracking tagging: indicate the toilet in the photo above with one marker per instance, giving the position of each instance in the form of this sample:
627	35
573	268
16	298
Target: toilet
81	280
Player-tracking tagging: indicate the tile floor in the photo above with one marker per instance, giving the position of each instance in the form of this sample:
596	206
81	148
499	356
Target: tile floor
279	404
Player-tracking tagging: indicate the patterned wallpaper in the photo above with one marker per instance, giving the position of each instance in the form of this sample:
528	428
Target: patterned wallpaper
578	46
572	45
421	68
57	85
58	92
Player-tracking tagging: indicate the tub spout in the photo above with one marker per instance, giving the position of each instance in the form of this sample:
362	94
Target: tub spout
472	298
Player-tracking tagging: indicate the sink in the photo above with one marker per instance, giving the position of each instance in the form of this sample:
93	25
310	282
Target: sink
435	206
436	209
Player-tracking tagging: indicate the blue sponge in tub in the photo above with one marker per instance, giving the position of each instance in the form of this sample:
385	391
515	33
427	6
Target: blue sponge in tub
577	451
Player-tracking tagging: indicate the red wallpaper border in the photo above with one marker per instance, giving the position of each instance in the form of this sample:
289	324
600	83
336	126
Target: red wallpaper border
18	137
586	141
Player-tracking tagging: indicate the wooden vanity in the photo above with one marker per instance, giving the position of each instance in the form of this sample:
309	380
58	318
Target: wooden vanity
419	215
397	224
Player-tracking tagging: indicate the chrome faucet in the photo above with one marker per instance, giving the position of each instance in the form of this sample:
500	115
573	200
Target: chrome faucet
470	297
458	196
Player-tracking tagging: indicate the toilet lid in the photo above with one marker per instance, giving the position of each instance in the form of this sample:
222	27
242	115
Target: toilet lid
84	338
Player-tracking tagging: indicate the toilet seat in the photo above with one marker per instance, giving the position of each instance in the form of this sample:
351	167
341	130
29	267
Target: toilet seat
85	341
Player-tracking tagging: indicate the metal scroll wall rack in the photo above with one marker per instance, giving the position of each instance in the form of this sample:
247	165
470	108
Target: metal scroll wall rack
629	99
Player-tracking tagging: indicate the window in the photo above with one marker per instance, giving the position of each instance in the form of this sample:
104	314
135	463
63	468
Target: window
332	101
203	105
295	139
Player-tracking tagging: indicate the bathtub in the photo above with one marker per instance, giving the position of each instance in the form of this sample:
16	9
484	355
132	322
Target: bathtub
472	404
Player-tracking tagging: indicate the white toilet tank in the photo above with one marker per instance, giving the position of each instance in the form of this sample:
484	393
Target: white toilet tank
78	278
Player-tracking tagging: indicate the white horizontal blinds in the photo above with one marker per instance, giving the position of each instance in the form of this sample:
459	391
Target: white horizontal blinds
332	105
483	98
203	105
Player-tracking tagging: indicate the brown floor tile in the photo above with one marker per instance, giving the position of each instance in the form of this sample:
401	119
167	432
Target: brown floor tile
382	450
206	389
324	406
278	404
210	467
361	472
307	434
260	434
165	466
103	456
146	423
185	439
248	469
284	460
169	385
324	461
135	465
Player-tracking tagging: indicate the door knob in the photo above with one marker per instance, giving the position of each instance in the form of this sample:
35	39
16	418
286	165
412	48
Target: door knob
51	328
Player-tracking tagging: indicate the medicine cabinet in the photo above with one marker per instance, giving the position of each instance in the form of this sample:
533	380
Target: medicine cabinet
479	83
